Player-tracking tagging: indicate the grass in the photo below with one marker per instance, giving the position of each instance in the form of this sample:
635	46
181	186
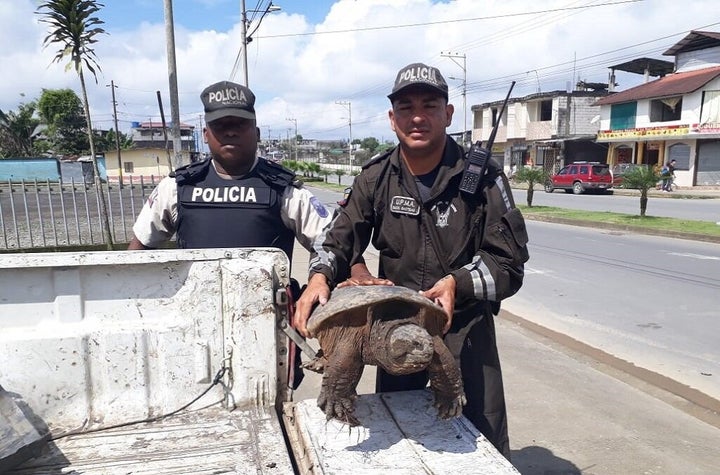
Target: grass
654	223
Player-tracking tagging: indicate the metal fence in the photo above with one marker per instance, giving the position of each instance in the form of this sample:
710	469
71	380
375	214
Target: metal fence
54	215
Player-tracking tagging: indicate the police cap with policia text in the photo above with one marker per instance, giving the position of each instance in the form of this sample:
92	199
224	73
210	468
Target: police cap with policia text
225	98
418	75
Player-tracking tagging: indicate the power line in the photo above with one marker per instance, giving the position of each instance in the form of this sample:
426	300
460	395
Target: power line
442	22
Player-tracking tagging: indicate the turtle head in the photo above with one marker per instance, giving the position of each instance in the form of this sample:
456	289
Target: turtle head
401	346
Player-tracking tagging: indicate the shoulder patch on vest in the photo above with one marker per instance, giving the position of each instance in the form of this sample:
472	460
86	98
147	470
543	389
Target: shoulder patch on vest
319	208
192	172
274	174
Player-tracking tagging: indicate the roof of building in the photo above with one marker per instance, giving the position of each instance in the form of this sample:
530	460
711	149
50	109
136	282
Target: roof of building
695	40
671	85
539	96
654	67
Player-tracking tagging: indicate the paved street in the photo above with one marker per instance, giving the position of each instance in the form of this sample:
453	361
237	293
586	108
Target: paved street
572	413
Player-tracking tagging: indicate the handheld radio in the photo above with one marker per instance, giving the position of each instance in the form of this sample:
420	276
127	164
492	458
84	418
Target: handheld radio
478	156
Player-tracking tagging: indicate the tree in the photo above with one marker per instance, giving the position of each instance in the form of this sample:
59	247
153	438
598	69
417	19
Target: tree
291	165
313	168
643	179
73	26
16	131
326	172
105	140
531	176
370	144
61	111
339	172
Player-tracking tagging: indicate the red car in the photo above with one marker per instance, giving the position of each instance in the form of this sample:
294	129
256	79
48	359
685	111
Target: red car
579	177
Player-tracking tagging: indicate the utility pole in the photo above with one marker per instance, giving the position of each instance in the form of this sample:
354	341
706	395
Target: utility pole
243	32
172	78
348	104
296	135
112	87
453	57
247	38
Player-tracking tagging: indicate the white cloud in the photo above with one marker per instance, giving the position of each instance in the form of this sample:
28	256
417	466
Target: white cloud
304	76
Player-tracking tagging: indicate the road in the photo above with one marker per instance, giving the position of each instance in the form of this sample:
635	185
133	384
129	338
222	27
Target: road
648	300
694	209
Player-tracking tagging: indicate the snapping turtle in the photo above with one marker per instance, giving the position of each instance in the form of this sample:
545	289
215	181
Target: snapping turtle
393	327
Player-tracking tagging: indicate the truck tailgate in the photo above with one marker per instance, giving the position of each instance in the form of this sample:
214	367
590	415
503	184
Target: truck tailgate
400	434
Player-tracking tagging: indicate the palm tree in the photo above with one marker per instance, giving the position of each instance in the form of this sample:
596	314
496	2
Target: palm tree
340	173
641	178
73	26
16	131
530	175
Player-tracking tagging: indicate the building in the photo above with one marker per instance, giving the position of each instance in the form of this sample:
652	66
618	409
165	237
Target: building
150	154
549	129
676	116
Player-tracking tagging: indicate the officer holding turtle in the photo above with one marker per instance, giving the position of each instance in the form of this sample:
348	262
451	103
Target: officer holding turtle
234	199
464	251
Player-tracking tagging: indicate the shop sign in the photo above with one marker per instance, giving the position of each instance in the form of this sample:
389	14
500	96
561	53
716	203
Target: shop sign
644	132
707	128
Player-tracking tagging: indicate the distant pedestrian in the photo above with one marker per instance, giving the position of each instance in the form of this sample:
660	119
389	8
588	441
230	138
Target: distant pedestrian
668	175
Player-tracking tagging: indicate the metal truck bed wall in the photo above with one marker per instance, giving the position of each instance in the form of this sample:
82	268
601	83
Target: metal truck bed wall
92	339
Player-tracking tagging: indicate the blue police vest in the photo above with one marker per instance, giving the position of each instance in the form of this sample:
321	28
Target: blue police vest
214	212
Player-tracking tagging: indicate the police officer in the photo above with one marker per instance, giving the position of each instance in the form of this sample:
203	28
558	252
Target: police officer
234	199
464	251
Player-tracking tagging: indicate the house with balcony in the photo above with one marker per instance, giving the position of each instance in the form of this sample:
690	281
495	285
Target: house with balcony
676	116
149	155
549	129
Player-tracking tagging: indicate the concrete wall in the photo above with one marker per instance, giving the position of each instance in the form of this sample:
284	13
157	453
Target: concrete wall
42	169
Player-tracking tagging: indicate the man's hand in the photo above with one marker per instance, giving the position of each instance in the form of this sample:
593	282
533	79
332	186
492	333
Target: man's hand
317	291
360	275
443	293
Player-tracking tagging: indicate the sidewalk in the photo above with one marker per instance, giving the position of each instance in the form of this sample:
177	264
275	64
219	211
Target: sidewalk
571	414
704	192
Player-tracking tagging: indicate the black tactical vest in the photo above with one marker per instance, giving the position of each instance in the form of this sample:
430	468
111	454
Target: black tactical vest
214	212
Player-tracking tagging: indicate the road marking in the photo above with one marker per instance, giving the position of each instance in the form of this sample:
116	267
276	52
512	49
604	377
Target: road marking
695	256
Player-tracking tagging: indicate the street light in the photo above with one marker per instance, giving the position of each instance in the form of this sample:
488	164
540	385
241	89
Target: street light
454	56
247	37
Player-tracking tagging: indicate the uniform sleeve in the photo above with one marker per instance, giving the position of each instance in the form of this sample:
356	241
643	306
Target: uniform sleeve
157	220
347	237
305	215
497	268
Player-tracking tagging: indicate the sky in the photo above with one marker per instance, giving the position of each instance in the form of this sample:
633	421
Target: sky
326	66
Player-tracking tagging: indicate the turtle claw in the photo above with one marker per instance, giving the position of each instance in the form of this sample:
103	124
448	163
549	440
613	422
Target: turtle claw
317	364
449	407
339	408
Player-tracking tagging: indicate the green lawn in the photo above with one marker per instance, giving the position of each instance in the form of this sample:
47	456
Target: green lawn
548	213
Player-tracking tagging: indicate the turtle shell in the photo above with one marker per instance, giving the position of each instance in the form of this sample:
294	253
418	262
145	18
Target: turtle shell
358	305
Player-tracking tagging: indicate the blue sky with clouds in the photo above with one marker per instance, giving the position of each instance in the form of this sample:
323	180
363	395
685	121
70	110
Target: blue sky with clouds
312	54
203	14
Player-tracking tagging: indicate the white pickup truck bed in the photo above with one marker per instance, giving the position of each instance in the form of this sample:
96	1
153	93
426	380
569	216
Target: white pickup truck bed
91	340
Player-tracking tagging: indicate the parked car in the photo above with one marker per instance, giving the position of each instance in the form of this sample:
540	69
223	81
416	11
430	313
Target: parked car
619	170
579	177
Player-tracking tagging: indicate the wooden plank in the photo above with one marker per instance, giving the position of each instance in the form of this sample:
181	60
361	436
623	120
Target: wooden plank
19	440
208	441
400	434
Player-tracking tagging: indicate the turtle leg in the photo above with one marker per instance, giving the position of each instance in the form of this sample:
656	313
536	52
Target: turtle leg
340	379
446	381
